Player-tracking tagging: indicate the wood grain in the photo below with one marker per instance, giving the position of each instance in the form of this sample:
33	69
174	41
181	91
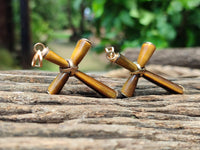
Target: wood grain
79	118
185	57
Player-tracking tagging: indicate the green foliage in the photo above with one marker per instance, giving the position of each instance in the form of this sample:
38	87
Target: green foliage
98	7
50	11
50	15
6	60
40	29
129	23
16	19
45	17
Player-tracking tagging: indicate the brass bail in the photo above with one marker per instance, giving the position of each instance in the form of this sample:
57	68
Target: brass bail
110	54
109	49
37	56
40	51
38	46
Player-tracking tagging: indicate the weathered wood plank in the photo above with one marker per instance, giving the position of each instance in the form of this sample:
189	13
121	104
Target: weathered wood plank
79	118
186	57
144	87
75	129
28	98
41	143
53	113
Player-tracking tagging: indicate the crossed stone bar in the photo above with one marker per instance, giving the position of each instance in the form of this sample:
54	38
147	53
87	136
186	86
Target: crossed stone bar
69	68
137	69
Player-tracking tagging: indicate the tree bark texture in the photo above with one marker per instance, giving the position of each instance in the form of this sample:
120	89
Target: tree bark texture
25	34
6	25
79	118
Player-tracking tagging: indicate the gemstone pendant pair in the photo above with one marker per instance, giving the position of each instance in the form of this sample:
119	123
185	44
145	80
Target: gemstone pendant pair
69	67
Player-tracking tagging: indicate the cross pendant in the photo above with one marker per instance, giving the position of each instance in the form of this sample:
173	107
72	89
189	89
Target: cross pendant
69	68
137	70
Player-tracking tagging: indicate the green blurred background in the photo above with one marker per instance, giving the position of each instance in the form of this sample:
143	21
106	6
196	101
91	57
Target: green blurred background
123	24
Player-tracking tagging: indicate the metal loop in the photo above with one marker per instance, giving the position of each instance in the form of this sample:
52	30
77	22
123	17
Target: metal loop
109	49
37	56
37	47
110	54
40	51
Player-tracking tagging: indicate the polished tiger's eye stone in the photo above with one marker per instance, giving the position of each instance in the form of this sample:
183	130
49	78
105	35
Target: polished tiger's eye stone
69	68
138	70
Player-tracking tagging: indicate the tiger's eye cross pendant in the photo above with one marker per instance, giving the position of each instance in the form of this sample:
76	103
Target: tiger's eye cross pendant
137	69
69	67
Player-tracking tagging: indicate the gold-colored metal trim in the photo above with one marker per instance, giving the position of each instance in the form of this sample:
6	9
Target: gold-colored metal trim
111	55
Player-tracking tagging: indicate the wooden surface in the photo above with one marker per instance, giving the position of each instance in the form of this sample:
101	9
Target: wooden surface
185	57
78	118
